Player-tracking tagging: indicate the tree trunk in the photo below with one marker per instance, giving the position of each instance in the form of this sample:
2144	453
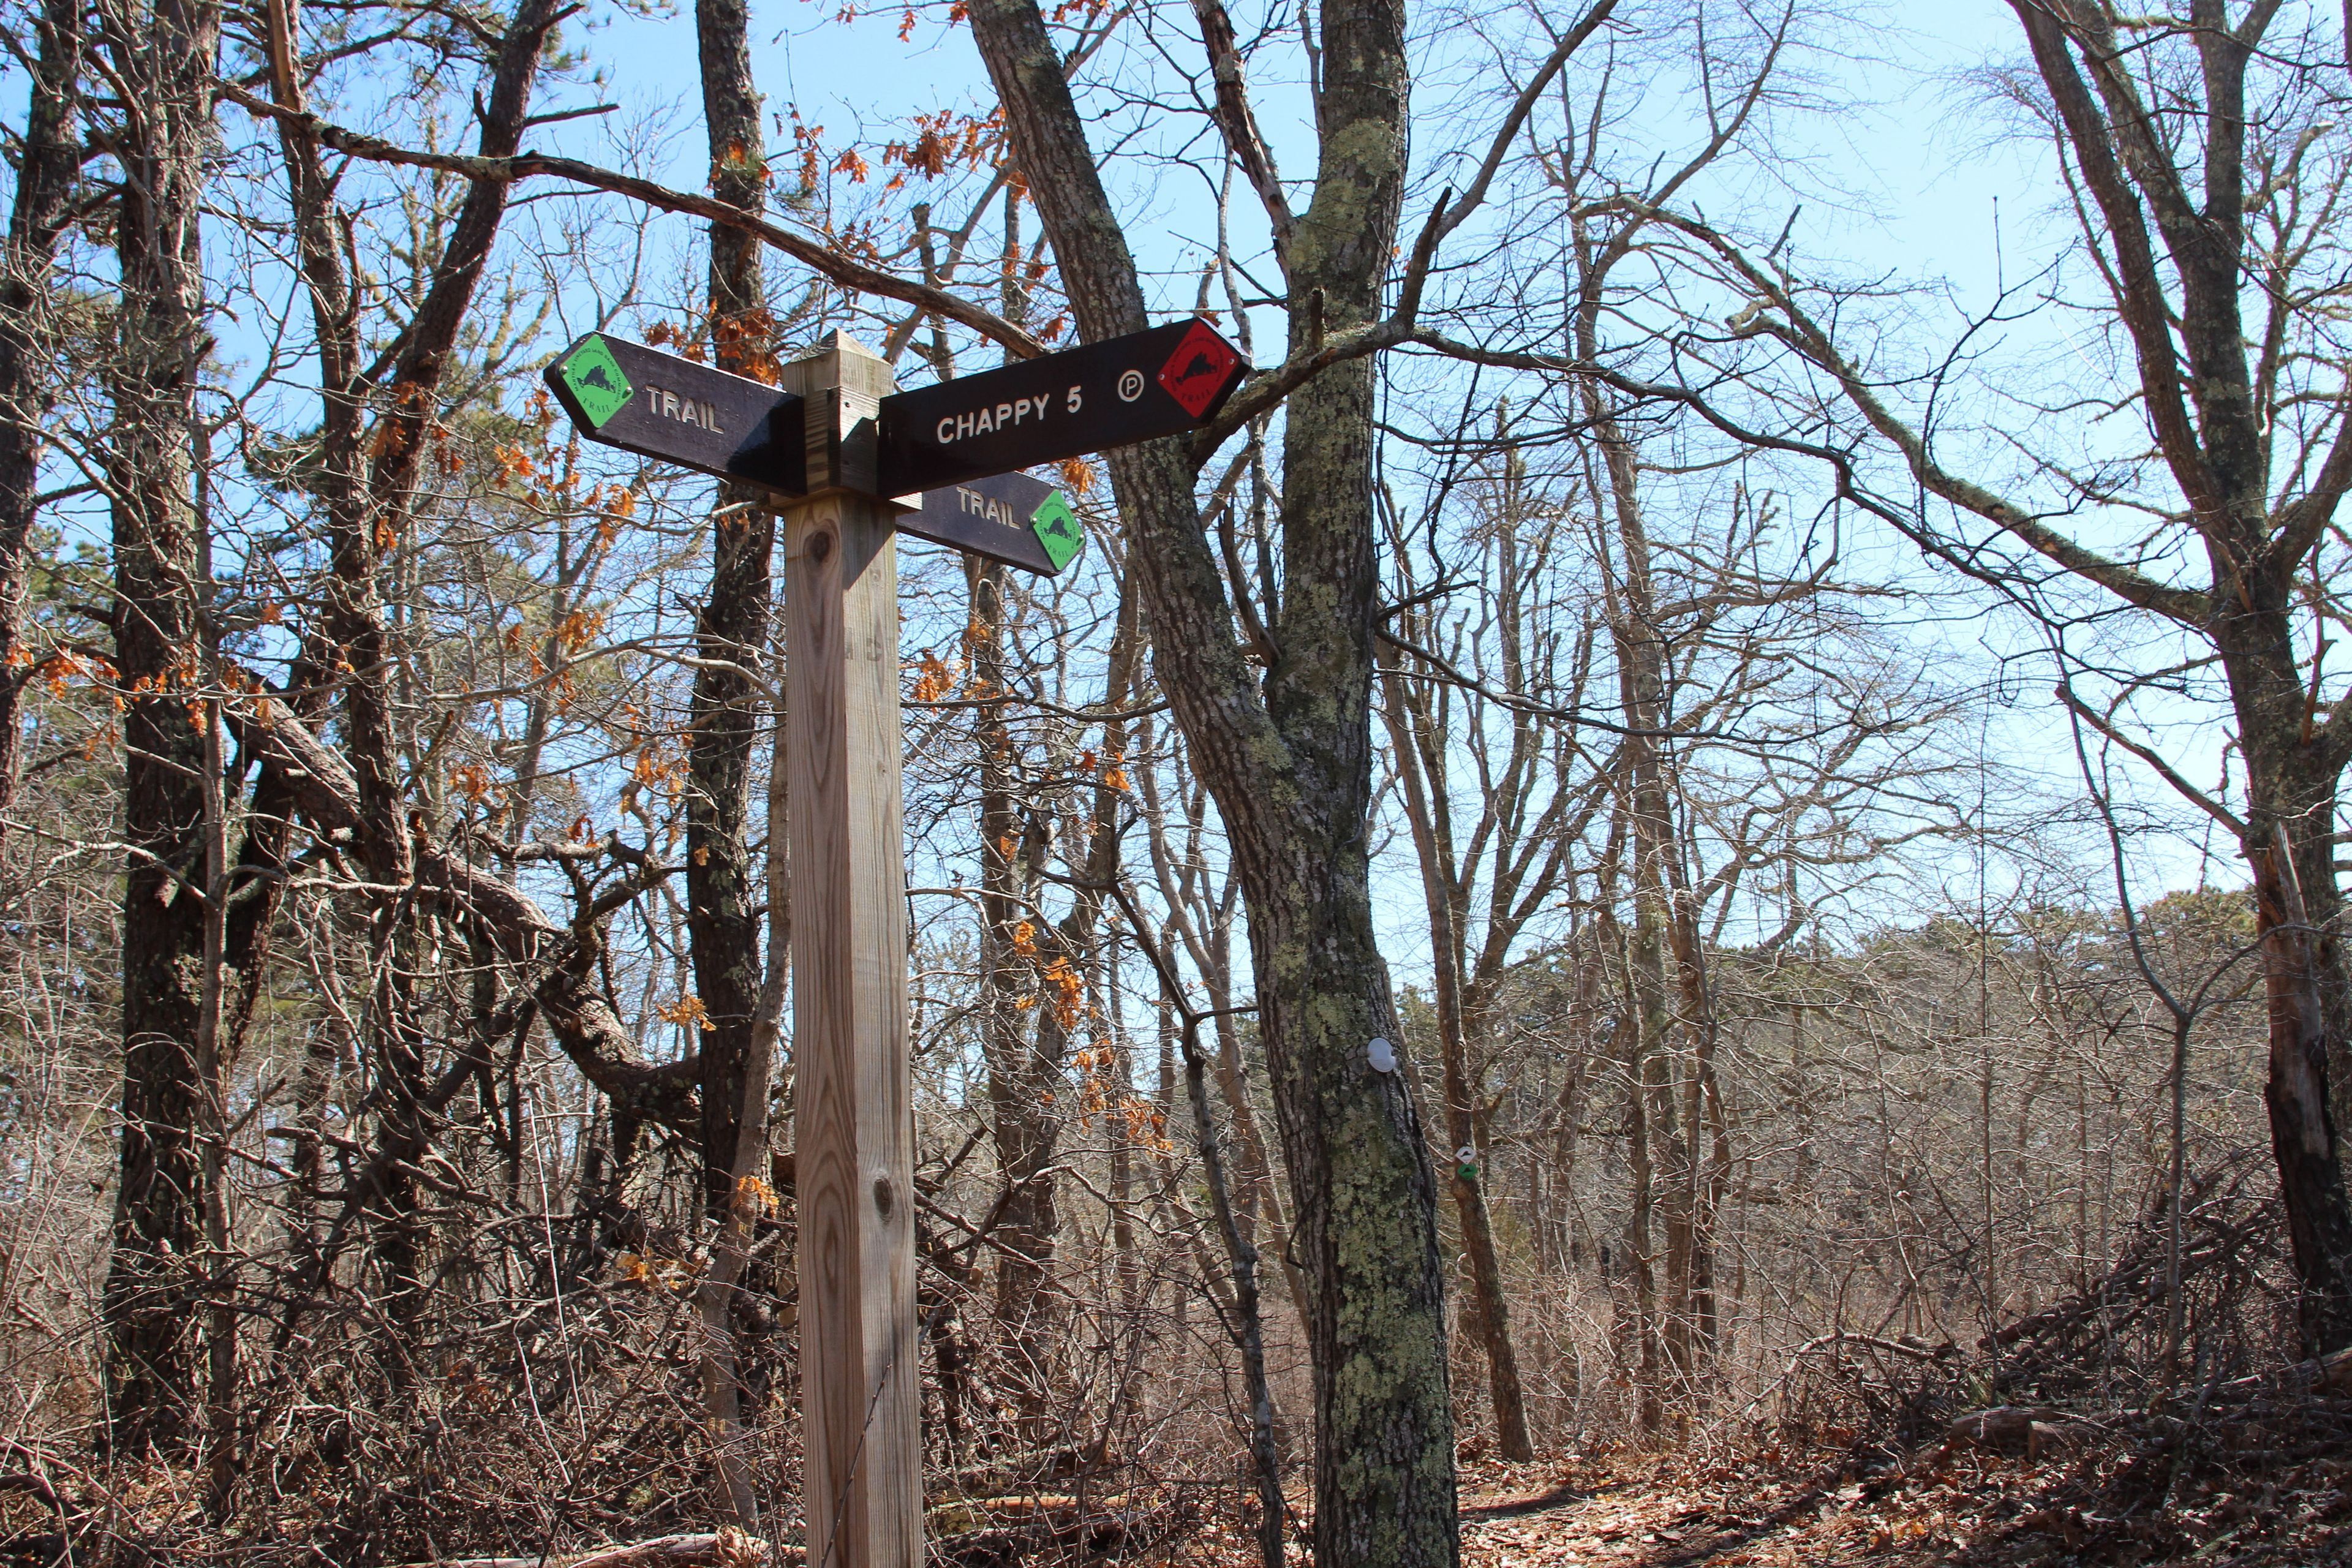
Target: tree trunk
1492	1319
717	1298
1291	768
49	164
731	633
1644	1077
1421	766
2297	905
368	488
1678	1020
1024	1116
165	55
369	513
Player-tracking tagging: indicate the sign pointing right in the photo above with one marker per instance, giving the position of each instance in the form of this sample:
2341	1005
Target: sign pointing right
1011	518
1114	393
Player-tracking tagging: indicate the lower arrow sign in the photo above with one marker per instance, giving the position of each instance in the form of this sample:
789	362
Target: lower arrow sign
1011	518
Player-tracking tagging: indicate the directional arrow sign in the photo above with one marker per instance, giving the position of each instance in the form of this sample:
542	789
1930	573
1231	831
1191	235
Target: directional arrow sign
656	404
1011	518
1086	399
659	405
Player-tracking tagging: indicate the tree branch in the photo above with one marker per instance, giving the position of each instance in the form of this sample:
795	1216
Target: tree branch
2211	808
1451	214
852	275
2140	300
583	1021
1232	111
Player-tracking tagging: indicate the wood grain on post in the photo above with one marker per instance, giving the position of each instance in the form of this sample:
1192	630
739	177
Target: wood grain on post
859	1371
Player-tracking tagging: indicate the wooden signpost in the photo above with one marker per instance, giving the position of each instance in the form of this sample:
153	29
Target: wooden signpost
821	445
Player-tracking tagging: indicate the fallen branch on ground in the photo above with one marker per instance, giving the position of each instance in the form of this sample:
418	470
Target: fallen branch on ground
728	1548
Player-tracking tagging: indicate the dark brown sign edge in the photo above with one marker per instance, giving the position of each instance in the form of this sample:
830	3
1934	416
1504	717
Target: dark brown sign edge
1242	367
585	428
1039	565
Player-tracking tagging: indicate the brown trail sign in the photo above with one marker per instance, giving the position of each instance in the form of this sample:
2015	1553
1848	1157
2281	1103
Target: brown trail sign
656	404
659	405
1091	399
1011	518
823	445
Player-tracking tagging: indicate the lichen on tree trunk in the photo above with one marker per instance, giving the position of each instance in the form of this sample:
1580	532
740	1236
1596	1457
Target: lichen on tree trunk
1290	766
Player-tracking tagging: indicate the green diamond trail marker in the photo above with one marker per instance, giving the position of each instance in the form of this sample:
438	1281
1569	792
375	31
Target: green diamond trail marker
596	380
1056	527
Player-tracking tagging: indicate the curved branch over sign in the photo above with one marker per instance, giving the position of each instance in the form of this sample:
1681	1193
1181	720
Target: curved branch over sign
852	275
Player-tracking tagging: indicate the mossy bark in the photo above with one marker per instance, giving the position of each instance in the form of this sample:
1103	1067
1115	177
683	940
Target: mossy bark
1289	762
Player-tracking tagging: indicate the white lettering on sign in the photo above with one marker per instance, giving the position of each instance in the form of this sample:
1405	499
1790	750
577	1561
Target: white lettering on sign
684	410
986	421
985	508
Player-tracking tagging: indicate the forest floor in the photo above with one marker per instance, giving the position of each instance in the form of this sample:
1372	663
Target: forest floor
2254	1474
2241	1500
1946	1509
2274	1492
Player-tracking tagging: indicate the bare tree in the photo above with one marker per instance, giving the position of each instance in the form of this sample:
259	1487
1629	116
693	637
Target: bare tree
2204	193
1289	758
1489	876
161	532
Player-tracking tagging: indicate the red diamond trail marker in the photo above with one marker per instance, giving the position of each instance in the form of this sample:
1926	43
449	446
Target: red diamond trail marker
1200	370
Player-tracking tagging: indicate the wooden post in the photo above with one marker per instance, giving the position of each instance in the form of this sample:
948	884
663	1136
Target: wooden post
861	1393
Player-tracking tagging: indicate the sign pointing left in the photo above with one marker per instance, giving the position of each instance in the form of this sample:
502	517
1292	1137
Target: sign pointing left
659	405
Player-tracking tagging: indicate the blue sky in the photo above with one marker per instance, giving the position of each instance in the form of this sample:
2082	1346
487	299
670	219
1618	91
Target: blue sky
1902	179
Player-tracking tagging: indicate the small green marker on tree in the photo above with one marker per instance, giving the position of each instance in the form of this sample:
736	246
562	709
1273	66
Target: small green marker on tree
595	378
1056	527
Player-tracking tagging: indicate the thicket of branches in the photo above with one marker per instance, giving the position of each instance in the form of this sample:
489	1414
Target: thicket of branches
396	1089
